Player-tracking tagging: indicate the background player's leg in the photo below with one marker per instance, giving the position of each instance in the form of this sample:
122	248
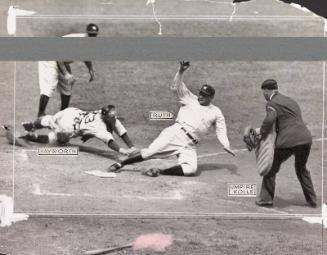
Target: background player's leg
64	89
65	99
42	105
48	81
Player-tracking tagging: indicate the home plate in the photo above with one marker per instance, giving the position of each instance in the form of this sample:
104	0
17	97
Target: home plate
101	174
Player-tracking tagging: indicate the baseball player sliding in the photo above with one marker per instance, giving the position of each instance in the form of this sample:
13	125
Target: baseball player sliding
73	122
194	119
57	75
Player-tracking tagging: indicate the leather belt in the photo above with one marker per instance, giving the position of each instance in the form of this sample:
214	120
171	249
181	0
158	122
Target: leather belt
195	141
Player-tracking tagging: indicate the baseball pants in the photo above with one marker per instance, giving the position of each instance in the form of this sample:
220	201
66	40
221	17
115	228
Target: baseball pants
301	153
51	79
172	141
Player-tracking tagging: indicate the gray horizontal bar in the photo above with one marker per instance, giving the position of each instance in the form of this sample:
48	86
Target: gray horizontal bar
165	48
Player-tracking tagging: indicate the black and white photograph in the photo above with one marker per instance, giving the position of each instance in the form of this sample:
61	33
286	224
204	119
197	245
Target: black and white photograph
148	156
165	155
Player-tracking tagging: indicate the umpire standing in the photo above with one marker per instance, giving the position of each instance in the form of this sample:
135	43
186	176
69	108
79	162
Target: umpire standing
293	138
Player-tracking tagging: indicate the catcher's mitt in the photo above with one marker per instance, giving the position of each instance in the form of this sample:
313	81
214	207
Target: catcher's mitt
250	138
263	148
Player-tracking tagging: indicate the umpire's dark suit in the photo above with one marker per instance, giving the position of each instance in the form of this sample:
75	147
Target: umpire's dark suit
293	138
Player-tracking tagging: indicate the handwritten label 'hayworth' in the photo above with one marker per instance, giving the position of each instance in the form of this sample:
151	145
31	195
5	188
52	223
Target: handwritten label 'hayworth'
62	151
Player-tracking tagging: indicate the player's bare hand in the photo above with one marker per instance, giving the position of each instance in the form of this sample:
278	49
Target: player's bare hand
184	65
229	150
92	75
124	152
133	150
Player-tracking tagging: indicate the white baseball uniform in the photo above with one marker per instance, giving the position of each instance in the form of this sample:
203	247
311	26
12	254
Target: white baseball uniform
192	122
75	122
50	77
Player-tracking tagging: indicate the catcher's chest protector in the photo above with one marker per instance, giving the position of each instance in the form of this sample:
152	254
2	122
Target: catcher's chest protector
264	153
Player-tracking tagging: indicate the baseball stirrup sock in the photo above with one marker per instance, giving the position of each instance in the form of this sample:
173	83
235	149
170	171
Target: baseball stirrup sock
37	138
42	104
134	159
64	101
175	170
37	124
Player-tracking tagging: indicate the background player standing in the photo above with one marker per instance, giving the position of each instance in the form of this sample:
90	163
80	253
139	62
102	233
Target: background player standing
194	119
57	75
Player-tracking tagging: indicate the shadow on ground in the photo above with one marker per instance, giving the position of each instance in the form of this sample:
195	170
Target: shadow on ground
282	203
97	152
233	169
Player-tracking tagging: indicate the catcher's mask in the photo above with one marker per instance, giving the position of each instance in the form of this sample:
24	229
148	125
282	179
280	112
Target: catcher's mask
109	115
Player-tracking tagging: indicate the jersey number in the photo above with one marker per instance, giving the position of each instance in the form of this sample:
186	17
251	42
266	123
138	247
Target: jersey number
89	117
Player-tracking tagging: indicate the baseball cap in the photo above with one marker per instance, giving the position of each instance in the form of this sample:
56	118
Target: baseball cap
269	84
207	90
108	110
92	29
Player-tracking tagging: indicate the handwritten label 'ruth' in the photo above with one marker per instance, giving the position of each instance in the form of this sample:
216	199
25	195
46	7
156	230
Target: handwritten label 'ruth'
160	115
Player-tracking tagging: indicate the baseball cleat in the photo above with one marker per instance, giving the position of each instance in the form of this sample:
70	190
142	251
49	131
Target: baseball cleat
5	127
312	204
153	172
9	134
264	203
12	138
28	126
115	168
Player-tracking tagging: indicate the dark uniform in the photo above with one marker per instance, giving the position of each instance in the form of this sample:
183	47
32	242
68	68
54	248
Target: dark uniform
293	138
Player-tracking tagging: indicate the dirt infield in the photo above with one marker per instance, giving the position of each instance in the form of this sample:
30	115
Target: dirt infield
74	235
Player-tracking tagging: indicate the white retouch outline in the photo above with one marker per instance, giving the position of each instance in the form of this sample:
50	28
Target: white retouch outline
292	18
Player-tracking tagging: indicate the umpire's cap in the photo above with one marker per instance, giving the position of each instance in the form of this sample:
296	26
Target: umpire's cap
92	29
207	90
269	84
